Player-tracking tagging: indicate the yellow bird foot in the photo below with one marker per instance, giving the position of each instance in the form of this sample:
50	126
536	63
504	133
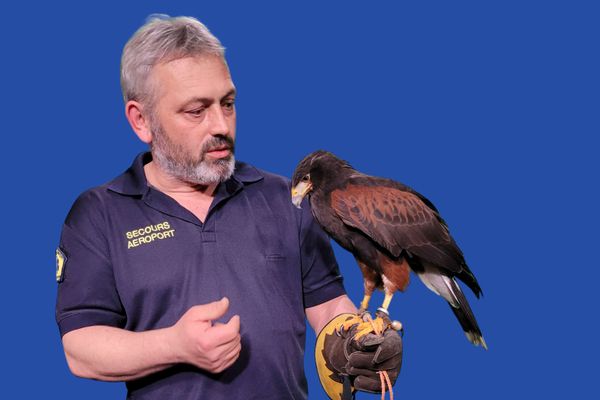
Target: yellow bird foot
376	326
350	322
366	324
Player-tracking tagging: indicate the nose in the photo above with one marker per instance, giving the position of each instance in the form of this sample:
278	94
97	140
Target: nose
219	124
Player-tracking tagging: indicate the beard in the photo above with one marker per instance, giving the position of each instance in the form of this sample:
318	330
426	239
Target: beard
176	161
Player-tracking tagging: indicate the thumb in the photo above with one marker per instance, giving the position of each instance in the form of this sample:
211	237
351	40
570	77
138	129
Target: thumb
211	311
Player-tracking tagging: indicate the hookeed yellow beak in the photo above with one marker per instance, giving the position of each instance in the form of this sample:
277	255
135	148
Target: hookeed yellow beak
299	191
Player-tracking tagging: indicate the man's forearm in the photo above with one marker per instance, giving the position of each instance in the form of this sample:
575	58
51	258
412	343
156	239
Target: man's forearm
113	354
319	316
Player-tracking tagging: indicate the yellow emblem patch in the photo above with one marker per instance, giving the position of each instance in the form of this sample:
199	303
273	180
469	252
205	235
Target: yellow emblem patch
61	260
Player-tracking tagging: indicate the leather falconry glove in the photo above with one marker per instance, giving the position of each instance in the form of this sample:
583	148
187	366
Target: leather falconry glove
343	361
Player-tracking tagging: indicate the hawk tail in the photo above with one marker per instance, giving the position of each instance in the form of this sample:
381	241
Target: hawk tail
465	316
446	287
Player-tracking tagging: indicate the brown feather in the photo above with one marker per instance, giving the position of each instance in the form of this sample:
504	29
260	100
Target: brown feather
371	278
397	220
397	273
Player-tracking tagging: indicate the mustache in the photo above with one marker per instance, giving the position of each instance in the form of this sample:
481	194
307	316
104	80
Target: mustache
219	142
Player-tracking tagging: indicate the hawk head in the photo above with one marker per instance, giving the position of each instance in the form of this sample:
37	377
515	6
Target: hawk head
317	171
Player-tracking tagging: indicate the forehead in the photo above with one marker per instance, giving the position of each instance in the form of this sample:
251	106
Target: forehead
189	77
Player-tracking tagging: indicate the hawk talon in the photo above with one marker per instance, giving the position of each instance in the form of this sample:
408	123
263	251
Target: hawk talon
357	319
376	326
366	324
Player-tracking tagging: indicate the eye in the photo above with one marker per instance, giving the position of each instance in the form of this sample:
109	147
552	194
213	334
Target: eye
196	112
306	178
228	105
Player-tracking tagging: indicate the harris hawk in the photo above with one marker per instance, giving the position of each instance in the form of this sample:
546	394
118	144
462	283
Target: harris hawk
390	229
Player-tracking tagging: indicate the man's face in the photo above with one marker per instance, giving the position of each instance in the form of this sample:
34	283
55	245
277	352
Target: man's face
193	121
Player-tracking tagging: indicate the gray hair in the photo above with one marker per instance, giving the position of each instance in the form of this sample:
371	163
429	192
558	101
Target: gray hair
162	39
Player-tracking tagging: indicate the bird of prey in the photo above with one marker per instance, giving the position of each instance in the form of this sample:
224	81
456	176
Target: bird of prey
390	229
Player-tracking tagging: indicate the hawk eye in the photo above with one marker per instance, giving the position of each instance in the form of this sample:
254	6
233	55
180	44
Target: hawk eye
306	178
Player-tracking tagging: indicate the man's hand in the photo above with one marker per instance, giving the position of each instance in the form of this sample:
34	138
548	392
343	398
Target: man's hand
341	358
199	342
371	354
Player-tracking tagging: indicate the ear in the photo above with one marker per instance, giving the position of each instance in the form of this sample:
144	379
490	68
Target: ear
139	123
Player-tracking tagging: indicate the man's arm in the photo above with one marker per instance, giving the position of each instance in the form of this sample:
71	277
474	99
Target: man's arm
318	316
114	354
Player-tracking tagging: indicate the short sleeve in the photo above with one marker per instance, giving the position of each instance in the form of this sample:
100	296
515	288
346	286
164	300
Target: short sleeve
87	293
321	279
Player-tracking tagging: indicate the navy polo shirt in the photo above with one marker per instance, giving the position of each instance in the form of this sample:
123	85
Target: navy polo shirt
136	259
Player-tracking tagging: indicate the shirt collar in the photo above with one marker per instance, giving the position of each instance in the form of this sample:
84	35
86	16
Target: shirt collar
133	181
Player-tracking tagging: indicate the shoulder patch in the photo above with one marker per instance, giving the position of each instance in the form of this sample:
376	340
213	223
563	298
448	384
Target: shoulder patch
61	261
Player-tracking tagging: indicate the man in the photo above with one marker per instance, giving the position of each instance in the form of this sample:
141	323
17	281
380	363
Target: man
190	275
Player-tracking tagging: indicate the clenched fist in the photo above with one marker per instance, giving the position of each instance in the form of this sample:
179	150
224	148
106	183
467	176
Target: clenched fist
207	345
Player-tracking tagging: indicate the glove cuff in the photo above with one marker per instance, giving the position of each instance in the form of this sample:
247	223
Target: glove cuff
330	378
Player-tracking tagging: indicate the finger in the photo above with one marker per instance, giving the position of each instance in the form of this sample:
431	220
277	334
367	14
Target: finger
368	384
390	348
225	348
231	357
371	373
369	341
234	352
394	363
363	363
361	359
234	322
210	311
223	333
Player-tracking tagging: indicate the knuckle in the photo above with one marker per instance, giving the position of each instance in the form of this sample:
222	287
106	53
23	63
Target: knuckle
218	367
221	367
203	346
212	369
213	359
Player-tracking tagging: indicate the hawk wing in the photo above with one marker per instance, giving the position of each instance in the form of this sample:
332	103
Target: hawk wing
397	220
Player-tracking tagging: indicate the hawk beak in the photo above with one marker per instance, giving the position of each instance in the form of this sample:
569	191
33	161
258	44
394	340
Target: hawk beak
299	191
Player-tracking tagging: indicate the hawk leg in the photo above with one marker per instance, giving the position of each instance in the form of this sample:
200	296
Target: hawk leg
376	326
369	282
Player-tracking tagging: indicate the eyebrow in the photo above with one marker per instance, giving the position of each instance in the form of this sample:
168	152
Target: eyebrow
232	92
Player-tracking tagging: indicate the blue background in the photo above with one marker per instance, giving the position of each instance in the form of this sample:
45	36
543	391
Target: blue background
488	108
